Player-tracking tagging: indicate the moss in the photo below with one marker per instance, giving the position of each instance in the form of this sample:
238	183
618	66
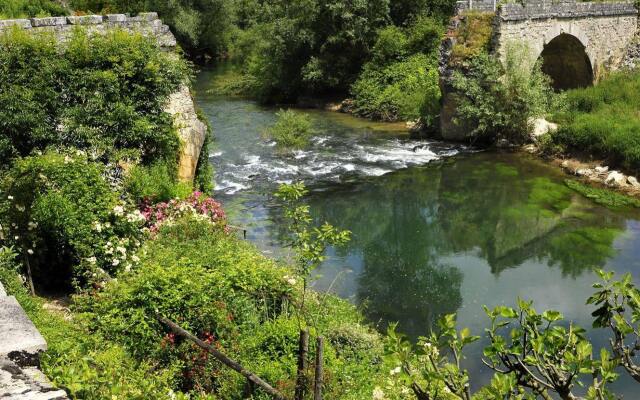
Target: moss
472	37
604	197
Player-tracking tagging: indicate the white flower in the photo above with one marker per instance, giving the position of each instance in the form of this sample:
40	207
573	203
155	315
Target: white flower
67	159
91	260
118	211
115	262
10	197
122	250
135	258
30	251
378	394
16	237
32	225
97	226
135	216
20	208
290	280
395	371
127	268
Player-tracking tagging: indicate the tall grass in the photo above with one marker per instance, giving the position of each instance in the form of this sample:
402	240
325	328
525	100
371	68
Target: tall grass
604	120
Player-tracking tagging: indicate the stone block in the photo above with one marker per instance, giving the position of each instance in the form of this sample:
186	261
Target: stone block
148	16
26	384
85	20
49	21
19	338
22	23
115	18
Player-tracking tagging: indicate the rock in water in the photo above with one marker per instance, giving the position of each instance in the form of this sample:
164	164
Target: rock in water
615	179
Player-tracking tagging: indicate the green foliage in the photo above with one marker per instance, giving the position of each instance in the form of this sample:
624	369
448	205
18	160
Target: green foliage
309	46
618	310
154	183
202	27
603	120
79	360
65	220
500	100
293	130
404	11
224	291
605	197
99	92
12	9
401	80
472	37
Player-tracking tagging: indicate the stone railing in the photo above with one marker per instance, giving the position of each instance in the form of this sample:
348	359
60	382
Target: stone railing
145	23
541	9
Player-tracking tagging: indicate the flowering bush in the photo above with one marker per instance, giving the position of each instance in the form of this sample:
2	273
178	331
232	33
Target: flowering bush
197	205
60	214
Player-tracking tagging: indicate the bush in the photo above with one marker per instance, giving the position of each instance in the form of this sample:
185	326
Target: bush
603	120
154	183
202	27
224	291
60	213
500	101
292	130
80	361
12	9
401	80
48	97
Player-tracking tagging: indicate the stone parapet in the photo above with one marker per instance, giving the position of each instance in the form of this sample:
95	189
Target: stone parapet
559	9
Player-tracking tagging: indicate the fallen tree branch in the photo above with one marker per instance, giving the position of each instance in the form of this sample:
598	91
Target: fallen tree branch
223	359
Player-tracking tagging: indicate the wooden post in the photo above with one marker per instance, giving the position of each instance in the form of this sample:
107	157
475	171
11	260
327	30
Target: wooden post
317	387
301	379
223	359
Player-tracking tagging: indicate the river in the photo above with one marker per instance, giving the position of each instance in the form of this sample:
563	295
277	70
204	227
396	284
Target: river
437	228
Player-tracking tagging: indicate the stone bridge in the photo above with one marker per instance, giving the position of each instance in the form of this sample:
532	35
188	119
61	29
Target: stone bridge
576	42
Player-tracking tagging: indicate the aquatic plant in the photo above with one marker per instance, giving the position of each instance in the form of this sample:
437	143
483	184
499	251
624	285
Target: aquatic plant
292	130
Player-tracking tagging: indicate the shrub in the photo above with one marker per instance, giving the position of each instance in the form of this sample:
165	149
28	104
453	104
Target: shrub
80	361
292	130
196	205
404	90
154	183
48	95
63	217
401	80
603	120
500	100
11	9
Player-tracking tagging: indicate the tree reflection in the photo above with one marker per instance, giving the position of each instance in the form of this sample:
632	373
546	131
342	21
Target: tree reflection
502	209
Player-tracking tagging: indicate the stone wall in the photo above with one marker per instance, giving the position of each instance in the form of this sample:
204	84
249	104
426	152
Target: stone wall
190	129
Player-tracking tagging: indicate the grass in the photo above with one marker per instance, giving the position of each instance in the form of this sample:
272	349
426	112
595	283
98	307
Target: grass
604	120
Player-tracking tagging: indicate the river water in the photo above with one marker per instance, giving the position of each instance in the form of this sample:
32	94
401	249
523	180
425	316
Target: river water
437	228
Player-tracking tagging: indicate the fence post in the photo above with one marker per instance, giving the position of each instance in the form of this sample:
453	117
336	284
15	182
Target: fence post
317	387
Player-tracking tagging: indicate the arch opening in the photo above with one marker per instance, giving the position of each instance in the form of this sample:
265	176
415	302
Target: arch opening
565	60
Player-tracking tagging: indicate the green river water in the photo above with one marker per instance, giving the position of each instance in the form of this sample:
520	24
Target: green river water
437	228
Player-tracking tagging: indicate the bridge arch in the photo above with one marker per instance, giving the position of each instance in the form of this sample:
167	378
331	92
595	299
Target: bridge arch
566	61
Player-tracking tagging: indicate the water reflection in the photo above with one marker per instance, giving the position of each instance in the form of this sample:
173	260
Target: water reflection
408	224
